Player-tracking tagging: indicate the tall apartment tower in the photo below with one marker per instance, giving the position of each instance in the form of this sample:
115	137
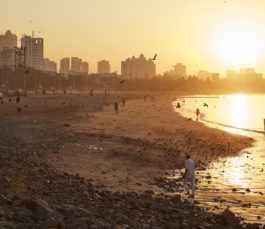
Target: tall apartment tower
8	40
103	67
34	51
180	70
76	65
49	66
85	67
65	66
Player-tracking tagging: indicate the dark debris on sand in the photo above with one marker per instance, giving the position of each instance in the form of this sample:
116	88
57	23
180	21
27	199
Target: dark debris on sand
34	195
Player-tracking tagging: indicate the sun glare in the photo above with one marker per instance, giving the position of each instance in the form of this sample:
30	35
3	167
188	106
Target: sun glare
240	46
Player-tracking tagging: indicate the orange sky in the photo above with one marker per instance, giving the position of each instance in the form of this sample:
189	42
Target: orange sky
202	34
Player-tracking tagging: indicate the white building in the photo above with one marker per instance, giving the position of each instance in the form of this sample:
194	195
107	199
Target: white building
138	68
34	51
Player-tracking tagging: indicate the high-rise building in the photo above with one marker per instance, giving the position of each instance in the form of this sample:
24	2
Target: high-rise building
8	40
49	66
231	74
34	51
204	75
138	68
65	66
7	58
248	74
180	70
76	65
103	67
85	67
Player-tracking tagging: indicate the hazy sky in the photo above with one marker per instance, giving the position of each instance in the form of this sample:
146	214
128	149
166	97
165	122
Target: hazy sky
199	33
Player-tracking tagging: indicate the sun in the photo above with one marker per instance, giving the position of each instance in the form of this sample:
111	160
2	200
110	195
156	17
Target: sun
239	46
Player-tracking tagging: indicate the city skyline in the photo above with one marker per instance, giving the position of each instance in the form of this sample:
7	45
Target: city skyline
180	32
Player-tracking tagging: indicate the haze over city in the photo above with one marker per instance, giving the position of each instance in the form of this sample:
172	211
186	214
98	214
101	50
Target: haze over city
140	114
206	34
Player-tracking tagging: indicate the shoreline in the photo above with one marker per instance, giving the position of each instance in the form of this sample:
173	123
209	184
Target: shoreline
84	141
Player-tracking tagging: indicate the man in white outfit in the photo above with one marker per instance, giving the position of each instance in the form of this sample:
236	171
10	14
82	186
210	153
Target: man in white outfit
189	175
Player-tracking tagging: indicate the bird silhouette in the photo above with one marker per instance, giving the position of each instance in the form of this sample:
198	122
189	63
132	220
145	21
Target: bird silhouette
154	58
205	104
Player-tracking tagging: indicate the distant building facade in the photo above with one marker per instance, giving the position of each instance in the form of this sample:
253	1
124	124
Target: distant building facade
34	51
49	66
7	58
215	76
85	67
243	74
231	74
179	71
204	75
138	68
76	65
103	67
65	66
248	74
8	40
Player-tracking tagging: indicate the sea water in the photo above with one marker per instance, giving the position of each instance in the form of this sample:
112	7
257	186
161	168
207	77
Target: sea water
236	182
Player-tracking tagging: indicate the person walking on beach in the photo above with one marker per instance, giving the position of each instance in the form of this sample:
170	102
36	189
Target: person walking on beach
197	113
189	175
18	102
116	108
1	97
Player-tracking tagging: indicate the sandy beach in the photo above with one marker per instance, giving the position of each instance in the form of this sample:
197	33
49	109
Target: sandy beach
80	137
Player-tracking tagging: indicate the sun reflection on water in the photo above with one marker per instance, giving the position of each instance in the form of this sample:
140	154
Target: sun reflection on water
238	111
235	173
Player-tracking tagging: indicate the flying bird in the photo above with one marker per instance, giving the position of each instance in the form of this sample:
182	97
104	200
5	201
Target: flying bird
205	104
154	58
122	81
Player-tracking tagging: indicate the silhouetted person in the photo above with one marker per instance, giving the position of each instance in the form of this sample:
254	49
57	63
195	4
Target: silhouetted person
18	103
189	175
197	113
178	105
44	92
1	97
123	101
91	92
116	107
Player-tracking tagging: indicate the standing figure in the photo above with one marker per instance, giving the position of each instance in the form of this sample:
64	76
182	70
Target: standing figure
123	101
189	175
18	103
197	113
91	92
116	108
1	97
